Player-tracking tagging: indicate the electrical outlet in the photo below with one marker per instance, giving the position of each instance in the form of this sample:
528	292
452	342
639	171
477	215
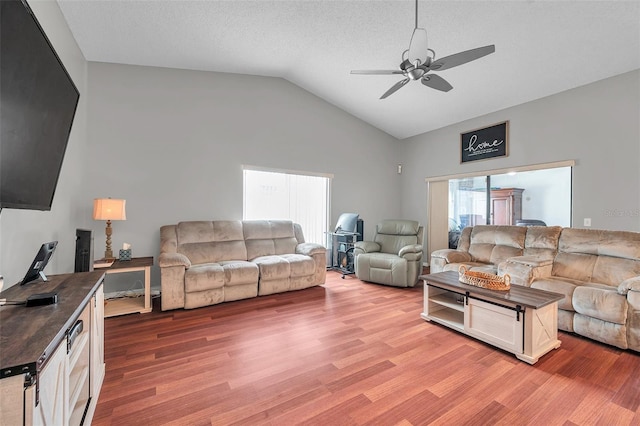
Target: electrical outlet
587	221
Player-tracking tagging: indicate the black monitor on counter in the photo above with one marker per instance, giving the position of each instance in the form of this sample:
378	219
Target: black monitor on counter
36	270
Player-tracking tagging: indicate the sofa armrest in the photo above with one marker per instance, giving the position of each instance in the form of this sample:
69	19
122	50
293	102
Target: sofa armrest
366	247
452	256
524	269
309	249
631	284
410	251
166	260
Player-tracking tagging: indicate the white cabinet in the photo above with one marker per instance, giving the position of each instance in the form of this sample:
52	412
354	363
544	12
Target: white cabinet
61	387
51	409
97	349
78	363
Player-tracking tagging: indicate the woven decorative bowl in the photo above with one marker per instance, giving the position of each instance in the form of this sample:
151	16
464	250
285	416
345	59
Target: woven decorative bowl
484	279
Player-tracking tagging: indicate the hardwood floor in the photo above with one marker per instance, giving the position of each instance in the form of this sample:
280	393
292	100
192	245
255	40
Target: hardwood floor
347	353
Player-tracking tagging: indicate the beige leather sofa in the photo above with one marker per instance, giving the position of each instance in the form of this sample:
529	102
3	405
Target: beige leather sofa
597	271
394	257
207	262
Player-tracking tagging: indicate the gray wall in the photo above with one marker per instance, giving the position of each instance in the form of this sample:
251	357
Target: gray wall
23	231
173	142
597	125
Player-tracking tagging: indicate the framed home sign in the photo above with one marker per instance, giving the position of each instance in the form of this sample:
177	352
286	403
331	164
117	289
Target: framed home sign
484	143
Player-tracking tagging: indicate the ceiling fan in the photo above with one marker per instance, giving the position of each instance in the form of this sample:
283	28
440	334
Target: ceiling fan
417	63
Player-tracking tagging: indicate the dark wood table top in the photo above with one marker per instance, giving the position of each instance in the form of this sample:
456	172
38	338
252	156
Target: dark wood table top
516	295
135	262
28	336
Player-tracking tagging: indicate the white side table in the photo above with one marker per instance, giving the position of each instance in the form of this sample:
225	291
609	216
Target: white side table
130	305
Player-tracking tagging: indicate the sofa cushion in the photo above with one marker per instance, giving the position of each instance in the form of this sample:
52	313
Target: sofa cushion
398	227
206	231
590	255
300	265
542	241
614	270
211	242
278	273
239	272
481	252
269	237
600	302
494	244
621	244
575	266
565	287
273	267
203	277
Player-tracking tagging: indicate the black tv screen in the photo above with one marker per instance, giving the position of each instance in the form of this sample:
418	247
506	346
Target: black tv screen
38	101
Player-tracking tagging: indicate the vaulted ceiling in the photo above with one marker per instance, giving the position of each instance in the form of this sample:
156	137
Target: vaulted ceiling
542	48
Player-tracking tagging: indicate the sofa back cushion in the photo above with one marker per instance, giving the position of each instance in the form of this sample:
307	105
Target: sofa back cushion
542	241
604	257
392	235
211	241
496	243
269	237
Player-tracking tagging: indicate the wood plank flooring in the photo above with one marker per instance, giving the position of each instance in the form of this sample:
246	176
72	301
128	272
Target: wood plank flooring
348	353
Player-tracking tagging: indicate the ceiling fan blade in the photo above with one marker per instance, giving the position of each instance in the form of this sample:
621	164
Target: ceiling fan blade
376	72
418	47
394	88
436	82
462	58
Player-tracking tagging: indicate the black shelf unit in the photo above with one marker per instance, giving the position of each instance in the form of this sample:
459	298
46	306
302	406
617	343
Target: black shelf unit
342	247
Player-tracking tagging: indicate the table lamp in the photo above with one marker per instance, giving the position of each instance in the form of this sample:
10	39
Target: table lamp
109	209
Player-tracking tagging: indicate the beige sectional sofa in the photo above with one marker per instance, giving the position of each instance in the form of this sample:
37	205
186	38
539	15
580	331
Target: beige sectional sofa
597	271
207	262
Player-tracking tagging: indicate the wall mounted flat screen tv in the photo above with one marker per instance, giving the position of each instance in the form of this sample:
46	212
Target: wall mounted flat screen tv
38	101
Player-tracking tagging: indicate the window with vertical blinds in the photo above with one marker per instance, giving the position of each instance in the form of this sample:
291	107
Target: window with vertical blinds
302	198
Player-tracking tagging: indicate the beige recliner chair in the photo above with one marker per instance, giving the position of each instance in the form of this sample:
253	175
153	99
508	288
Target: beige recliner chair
394	257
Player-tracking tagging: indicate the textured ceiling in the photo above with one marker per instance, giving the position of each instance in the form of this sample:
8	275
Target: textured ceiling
542	48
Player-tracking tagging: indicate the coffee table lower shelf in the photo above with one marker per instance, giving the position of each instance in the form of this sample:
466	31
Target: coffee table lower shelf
522	321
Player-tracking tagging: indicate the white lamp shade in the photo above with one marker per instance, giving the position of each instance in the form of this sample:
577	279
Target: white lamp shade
109	209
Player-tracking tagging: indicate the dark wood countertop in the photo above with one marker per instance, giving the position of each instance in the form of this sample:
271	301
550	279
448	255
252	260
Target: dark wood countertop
29	335
136	262
516	295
